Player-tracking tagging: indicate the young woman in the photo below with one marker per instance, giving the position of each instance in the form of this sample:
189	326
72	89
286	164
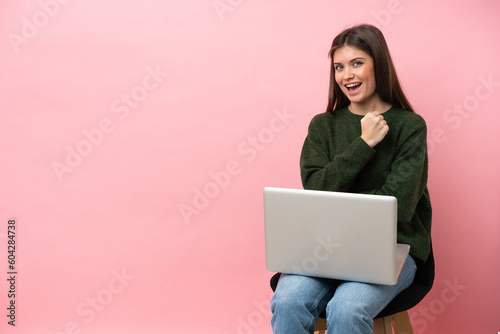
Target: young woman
369	141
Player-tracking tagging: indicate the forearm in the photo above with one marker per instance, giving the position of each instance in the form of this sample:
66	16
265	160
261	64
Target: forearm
320	173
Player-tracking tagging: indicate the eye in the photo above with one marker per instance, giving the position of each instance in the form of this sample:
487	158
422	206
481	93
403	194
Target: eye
338	67
357	63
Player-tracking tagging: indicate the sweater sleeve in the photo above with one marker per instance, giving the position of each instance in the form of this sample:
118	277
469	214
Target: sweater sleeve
319	171
407	179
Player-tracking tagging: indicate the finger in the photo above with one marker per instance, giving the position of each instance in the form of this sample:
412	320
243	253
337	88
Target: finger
386	129
379	120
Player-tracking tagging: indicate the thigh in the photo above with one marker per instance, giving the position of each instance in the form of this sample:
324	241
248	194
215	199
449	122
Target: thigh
373	298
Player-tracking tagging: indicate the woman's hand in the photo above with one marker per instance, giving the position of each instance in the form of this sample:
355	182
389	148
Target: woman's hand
373	128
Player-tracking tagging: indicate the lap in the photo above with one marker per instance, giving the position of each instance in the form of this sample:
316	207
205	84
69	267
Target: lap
350	306
316	293
372	297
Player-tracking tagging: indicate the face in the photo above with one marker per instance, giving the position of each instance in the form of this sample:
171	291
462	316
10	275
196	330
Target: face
355	75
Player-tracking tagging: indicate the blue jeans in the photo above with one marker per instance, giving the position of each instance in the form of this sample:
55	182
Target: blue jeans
350	306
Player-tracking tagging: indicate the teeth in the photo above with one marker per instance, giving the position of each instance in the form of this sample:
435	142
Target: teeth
353	85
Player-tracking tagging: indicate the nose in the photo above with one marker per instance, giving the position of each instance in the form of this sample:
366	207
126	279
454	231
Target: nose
348	74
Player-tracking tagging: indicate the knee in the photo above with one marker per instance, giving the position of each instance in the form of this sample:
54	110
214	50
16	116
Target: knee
345	314
293	294
291	313
286	302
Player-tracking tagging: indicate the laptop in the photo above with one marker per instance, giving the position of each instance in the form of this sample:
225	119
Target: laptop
336	235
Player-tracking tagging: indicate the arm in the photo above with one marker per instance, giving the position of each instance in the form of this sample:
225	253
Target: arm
319	171
407	179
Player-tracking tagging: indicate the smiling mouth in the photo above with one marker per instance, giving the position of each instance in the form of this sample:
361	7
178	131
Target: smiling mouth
353	86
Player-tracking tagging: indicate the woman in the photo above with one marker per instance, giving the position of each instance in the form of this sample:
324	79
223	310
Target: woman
369	141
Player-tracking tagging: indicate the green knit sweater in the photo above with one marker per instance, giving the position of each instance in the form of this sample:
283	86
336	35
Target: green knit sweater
335	158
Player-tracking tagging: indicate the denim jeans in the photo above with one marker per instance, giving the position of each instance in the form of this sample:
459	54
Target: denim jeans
350	306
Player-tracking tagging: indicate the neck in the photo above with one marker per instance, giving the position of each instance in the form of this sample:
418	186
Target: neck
363	108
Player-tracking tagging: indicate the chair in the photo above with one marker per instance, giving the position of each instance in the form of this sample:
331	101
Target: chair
394	315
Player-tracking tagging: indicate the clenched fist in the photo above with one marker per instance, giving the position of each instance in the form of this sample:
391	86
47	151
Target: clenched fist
373	128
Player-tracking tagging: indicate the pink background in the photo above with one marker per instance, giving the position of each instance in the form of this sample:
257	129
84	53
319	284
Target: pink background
137	136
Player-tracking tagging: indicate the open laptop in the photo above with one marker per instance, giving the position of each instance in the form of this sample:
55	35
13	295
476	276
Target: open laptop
336	235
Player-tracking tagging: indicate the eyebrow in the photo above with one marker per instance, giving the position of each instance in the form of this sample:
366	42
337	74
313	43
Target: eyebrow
352	60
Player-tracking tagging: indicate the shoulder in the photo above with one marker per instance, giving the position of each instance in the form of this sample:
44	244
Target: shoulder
320	122
406	120
322	118
326	119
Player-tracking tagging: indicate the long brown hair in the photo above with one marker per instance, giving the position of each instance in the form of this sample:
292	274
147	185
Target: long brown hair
369	39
